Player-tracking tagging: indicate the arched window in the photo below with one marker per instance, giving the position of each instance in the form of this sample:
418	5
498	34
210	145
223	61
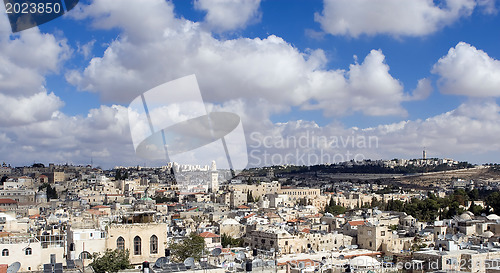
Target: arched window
120	243
5	252
137	245
28	251
153	245
85	255
72	247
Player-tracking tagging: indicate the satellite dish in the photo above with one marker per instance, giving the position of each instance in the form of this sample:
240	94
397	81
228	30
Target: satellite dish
161	262
272	249
454	238
341	257
14	267
302	265
323	223
440	236
241	256
216	252
257	263
354	246
189	262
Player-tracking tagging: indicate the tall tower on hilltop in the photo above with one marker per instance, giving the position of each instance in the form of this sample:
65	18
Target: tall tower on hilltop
424	154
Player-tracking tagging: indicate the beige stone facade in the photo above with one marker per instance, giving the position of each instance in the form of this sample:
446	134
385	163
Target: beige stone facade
145	241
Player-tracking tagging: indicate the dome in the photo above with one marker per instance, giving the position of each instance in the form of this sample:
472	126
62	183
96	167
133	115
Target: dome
465	217
493	217
488	234
364	261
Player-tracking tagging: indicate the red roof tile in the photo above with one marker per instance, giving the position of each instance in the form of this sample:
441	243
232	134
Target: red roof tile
7	201
3	268
35	216
208	234
248	216
356	223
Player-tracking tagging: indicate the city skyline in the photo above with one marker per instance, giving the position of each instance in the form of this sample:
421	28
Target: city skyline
410	76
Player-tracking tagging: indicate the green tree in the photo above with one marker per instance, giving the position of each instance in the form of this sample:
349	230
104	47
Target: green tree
333	208
191	246
163	199
110	261
51	192
395	205
376	203
476	209
473	194
118	175
493	201
228	240
250	198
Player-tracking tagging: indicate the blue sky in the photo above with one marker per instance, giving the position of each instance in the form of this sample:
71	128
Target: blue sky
332	68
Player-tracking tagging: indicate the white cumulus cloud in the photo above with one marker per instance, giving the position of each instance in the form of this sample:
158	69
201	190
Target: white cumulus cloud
468	71
16	111
25	60
228	15
271	69
391	17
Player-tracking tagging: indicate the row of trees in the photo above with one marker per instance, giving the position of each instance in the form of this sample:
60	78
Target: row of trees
251	199
432	207
333	208
369	168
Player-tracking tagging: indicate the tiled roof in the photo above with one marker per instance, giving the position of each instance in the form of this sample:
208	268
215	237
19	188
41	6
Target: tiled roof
356	223
101	207
248	216
208	234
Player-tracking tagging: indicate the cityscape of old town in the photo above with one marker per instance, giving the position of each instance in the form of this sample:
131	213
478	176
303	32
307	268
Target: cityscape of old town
264	136
425	214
